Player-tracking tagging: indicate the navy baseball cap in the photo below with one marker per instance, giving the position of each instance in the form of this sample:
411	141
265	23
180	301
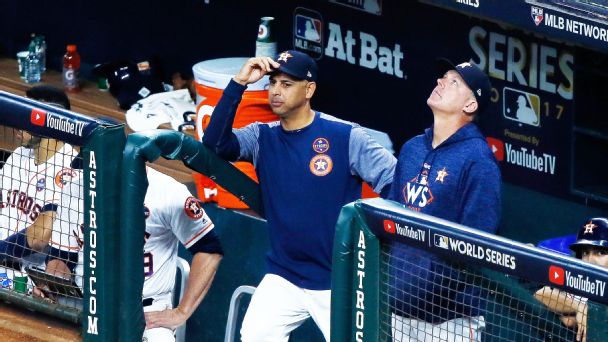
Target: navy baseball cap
474	77
297	64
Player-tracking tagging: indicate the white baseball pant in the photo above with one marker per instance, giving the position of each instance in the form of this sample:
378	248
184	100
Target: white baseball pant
278	307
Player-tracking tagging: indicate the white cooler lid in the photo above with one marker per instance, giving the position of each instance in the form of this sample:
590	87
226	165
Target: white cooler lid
217	73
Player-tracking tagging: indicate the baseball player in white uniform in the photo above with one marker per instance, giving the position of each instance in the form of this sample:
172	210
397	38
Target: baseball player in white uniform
31	181
172	215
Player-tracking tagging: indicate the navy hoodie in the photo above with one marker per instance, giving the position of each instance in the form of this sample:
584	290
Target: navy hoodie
459	181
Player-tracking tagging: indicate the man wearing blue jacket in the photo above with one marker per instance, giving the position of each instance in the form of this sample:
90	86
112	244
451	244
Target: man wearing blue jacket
309	165
448	172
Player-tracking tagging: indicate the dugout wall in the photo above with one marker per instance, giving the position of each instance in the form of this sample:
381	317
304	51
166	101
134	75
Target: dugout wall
101	145
500	274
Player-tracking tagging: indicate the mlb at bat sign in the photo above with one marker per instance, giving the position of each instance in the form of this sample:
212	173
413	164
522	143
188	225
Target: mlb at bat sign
344	43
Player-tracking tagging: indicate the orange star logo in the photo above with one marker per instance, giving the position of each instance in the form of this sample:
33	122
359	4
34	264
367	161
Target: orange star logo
441	174
589	228
284	56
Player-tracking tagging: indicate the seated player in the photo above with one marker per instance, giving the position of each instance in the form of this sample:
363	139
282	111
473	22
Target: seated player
31	181
172	215
592	246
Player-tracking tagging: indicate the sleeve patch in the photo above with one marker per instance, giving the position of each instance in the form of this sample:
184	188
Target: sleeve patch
193	208
64	176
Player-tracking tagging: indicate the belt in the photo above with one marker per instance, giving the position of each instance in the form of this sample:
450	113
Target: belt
147	301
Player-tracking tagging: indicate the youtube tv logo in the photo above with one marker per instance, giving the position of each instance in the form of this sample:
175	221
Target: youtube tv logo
389	226
497	147
556	275
38	117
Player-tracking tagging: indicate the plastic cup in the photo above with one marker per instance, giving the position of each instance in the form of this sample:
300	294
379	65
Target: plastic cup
20	284
21	58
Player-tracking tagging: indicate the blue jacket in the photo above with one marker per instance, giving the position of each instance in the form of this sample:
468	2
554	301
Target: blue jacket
306	176
459	181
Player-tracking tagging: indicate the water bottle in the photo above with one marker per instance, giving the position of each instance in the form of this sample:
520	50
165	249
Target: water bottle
266	44
41	51
71	68
32	66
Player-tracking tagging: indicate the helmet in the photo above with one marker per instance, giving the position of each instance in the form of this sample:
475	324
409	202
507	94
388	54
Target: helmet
594	232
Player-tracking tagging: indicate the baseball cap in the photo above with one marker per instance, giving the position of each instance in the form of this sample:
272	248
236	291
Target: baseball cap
297	64
474	77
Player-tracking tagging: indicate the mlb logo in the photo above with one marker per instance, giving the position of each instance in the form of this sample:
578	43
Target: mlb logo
389	226
497	147
537	15
556	275
38	117
440	241
309	28
521	106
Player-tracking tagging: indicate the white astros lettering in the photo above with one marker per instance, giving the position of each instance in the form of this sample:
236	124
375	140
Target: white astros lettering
360	295
529	159
526	63
92	318
371	56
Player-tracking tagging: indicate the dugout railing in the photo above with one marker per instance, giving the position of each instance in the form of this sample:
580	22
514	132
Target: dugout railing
101	146
145	147
500	276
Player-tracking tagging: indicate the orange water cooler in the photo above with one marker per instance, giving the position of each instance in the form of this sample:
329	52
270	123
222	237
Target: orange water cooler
211	77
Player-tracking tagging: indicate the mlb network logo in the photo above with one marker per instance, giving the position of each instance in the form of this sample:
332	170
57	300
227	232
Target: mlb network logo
440	241
537	15
556	275
38	117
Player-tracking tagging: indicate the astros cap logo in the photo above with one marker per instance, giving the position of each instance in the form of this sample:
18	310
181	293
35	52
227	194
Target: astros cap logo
589	228
284	56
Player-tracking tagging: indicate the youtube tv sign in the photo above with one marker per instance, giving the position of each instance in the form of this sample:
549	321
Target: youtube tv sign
497	147
38	117
556	275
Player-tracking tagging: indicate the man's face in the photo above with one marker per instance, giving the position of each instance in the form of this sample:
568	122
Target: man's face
451	94
596	255
28	140
286	94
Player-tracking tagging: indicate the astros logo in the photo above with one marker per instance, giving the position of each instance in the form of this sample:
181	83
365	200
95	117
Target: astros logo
441	174
320	145
193	208
321	165
63	177
589	228
284	56
40	184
